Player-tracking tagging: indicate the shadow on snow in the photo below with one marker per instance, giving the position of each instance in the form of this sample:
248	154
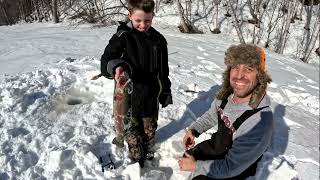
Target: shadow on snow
193	110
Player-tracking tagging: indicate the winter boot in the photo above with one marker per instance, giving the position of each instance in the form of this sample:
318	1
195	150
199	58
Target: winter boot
149	155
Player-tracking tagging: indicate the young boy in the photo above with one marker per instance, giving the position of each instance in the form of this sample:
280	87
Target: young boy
139	52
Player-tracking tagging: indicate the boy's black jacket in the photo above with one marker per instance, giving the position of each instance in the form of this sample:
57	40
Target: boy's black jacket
145	57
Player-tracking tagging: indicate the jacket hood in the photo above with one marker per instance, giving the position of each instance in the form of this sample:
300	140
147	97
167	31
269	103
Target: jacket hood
127	26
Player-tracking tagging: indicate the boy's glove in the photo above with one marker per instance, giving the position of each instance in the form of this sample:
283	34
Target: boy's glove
165	99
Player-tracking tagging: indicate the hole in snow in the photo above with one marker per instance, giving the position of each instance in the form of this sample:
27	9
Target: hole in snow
65	102
73	101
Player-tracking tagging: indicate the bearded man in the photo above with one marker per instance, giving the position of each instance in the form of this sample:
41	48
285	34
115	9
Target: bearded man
244	117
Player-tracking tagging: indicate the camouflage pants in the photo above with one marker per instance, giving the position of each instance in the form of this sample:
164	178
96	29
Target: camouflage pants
140	136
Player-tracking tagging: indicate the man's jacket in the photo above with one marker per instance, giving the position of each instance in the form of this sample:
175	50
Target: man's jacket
250	140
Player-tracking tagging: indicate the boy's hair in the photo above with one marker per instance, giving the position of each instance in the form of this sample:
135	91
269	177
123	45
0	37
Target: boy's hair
146	5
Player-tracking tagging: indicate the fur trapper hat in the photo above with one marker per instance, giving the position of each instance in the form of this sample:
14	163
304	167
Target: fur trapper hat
251	55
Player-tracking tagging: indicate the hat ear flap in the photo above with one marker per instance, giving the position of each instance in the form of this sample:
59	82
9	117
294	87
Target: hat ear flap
259	92
225	88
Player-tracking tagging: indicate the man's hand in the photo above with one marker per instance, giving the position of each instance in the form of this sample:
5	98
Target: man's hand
188	140
187	163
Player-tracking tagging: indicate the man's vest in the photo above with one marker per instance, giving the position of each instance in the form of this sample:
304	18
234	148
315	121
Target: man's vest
218	146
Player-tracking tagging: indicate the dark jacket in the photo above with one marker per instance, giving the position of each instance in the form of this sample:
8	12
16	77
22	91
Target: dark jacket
145	57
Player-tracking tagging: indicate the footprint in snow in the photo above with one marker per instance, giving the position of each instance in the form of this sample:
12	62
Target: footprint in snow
199	57
210	65
201	49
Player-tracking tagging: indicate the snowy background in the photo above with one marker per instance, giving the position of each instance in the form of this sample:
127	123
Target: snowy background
55	122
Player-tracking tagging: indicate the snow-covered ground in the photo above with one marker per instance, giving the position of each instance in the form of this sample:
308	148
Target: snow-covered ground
55	122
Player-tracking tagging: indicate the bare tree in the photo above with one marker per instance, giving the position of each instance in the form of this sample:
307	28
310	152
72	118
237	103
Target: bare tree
98	10
183	20
103	12
91	11
185	17
257	11
157	5
36	7
307	29
260	24
311	34
43	9
301	10
198	6
288	9
6	17
55	16
235	19
188	9
254	7
317	51
24	9
215	17
273	15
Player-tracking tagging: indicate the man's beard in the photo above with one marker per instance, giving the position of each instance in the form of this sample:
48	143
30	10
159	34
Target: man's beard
243	94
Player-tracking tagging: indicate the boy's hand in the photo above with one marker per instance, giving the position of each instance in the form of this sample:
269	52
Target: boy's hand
188	140
165	99
119	71
187	163
121	76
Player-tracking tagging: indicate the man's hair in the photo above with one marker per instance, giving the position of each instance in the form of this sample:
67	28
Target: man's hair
146	5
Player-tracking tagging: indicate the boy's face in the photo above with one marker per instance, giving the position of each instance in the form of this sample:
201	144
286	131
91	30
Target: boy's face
141	20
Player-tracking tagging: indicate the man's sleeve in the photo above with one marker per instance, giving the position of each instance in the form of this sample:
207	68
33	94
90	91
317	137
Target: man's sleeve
245	150
114	50
208	120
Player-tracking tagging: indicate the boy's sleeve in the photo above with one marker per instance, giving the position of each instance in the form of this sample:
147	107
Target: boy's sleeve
113	50
165	97
245	150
